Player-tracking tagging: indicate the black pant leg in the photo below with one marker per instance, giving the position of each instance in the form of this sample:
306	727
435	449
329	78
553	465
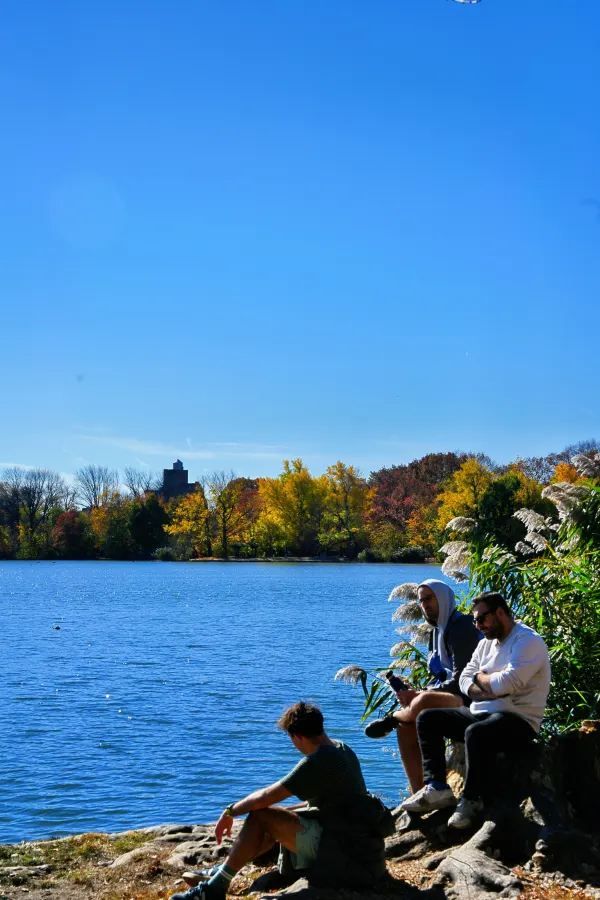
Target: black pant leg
484	738
433	726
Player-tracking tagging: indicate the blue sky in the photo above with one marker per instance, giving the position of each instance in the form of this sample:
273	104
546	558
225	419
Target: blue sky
238	232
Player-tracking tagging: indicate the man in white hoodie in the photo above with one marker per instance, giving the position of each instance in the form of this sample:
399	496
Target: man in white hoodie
507	680
452	640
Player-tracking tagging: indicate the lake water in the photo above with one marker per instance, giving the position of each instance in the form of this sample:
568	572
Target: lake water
155	698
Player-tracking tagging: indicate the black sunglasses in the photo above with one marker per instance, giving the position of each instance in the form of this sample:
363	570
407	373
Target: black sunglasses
482	616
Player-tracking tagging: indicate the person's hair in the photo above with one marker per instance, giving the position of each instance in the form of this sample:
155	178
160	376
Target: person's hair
302	719
493	601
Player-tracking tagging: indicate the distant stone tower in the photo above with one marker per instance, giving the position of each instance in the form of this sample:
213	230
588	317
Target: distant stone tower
175	481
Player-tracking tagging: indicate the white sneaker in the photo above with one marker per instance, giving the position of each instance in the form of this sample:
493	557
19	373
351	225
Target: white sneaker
466	813
429	798
193	878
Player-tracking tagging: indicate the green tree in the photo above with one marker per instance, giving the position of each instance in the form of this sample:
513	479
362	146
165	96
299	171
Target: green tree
110	524
147	518
42	496
224	493
342	528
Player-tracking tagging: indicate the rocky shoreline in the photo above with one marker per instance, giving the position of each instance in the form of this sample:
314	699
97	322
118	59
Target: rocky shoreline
424	863
541	842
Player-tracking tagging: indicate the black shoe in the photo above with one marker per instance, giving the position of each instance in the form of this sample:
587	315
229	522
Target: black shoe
380	727
202	891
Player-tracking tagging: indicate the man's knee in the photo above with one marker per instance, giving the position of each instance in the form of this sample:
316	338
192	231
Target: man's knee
261	818
431	719
479	739
418	704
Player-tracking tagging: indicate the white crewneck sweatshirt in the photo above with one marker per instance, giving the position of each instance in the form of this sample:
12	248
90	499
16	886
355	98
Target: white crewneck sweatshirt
519	667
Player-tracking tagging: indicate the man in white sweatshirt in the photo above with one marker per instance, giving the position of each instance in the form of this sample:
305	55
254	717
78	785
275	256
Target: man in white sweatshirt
507	679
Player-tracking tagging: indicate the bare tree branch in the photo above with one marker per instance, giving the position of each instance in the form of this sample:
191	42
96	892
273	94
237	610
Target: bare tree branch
95	484
139	482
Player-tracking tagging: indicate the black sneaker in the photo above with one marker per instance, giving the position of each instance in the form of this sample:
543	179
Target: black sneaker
380	727
202	891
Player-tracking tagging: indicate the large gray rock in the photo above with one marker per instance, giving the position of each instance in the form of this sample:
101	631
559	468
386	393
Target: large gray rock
148	850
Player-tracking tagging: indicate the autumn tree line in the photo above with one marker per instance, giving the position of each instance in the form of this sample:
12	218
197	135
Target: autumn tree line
397	514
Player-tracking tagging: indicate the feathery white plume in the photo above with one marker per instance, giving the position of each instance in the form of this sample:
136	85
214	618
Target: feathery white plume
459	559
351	675
564	496
571	542
461	524
408	612
454	566
422	631
459	576
532	520
405	591
453	547
587	464
498	554
399	648
524	549
536	540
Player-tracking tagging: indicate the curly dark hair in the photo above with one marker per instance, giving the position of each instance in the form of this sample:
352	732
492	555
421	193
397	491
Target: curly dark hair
303	719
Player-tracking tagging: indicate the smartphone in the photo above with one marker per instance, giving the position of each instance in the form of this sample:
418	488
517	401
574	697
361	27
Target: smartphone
395	682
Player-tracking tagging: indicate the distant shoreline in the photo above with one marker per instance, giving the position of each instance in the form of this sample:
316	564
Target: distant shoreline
310	559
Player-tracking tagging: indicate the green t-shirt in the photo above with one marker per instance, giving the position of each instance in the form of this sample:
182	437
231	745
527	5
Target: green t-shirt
327	777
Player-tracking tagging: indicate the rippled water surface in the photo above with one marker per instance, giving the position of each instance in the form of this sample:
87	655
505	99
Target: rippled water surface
140	693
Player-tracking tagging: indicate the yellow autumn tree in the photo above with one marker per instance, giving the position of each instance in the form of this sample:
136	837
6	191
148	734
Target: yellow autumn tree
291	509
464	491
190	525
529	491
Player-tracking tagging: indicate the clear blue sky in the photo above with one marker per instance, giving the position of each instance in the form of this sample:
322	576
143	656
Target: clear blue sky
241	231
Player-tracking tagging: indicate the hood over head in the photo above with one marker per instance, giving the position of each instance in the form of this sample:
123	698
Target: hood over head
445	598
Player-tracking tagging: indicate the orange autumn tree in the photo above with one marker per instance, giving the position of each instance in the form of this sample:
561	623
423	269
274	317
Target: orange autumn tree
565	472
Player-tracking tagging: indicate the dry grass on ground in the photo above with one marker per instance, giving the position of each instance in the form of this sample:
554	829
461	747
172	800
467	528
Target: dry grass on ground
80	869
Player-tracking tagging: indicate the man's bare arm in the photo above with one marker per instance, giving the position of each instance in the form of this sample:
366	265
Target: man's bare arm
260	799
479	689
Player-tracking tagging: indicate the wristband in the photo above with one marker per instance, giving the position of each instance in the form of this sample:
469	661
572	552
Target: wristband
228	811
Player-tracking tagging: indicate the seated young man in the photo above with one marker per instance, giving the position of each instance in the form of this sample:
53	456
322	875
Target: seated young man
451	645
327	778
507	680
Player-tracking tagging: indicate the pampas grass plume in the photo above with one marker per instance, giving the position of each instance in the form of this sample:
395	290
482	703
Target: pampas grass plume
350	675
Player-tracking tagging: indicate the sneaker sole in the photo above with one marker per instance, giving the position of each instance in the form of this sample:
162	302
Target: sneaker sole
421	810
193	878
460	826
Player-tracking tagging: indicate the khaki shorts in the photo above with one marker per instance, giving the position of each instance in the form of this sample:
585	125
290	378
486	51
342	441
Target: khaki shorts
307	843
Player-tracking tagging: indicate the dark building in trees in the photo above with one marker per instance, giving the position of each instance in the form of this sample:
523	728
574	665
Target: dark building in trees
175	482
